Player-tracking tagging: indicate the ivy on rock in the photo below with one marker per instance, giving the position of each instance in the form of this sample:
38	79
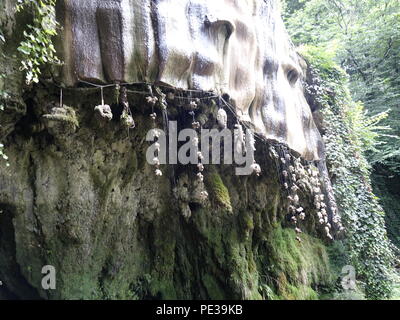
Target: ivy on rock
348	133
37	47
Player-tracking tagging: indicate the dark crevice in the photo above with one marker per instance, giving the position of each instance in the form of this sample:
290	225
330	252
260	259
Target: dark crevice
14	285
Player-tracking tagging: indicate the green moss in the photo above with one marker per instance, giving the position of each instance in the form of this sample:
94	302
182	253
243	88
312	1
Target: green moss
163	289
65	114
219	191
299	293
298	267
213	289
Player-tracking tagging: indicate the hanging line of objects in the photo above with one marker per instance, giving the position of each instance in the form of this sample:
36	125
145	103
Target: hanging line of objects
278	151
221	115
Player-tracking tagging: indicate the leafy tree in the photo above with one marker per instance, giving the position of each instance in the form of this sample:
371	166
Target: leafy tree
365	36
348	132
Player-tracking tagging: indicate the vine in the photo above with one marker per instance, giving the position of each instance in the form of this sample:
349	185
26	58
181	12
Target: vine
348	133
37	47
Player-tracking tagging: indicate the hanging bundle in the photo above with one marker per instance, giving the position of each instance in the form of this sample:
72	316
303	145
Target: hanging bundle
126	116
191	106
239	138
251	141
255	167
222	118
200	167
104	110
151	100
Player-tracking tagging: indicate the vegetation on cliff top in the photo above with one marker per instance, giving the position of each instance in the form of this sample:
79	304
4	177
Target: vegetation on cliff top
37	47
348	133
363	37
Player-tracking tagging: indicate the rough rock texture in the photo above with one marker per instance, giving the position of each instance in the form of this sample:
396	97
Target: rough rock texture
79	194
239	48
86	201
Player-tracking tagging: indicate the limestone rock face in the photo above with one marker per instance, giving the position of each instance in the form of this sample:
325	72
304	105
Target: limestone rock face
89	204
240	48
79	194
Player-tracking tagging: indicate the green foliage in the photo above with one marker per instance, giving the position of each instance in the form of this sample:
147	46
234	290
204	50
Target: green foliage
37	48
297	267
365	36
348	133
219	191
387	186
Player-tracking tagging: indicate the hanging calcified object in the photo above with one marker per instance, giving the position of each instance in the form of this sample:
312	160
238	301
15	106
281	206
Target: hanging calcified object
251	141
196	125
126	116
151	100
327	230
156	134
256	168
222	118
317	190
156	161
294	188
104	109
127	120
273	152
239	139
191	106
300	209
200	167
204	195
